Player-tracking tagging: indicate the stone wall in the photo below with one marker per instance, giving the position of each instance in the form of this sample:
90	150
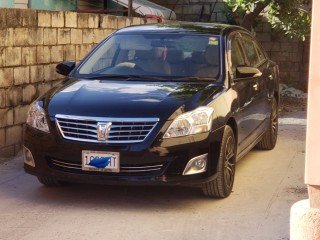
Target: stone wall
32	42
196	10
292	56
199	11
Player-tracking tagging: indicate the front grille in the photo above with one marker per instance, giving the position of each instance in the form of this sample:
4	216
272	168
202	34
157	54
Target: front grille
124	170
106	130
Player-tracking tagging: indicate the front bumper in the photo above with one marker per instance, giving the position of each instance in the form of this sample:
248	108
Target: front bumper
61	159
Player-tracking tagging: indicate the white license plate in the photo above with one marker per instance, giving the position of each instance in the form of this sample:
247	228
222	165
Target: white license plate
100	161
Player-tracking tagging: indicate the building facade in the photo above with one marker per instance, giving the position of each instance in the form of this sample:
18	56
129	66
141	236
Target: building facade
61	5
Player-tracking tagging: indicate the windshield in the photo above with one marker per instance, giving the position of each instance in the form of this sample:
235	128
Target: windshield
166	56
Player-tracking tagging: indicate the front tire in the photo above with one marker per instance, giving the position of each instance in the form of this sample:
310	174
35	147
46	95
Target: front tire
221	186
50	182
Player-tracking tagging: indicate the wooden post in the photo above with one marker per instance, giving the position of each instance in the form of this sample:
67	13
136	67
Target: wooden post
130	13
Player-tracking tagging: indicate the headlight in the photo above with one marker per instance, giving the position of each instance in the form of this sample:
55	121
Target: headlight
36	117
196	121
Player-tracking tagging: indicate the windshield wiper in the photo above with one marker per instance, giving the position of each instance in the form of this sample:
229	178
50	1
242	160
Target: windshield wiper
130	77
127	77
194	79
102	77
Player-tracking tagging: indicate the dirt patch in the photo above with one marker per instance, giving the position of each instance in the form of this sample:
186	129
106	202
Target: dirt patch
291	104
298	190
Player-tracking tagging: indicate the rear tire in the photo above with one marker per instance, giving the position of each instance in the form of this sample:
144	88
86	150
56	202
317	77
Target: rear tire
269	139
50	182
221	186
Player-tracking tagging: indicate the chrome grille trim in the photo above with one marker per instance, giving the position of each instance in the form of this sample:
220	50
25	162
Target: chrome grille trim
123	169
142	169
121	130
66	165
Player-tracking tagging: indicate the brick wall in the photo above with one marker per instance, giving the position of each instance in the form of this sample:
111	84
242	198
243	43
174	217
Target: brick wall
32	42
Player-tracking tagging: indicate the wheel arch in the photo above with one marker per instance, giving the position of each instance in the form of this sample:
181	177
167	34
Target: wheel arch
232	123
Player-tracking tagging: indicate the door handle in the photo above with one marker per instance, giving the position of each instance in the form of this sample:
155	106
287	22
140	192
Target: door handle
256	86
270	77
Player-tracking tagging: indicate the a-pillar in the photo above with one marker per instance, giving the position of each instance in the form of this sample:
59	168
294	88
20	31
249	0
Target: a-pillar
305	215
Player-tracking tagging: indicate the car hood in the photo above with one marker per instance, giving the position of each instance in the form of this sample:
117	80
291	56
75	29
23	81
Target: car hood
123	99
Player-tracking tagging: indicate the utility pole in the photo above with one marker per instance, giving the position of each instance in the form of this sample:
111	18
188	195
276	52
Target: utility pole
130	8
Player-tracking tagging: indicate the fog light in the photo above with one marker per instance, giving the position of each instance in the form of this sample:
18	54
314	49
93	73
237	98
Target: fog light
28	158
196	165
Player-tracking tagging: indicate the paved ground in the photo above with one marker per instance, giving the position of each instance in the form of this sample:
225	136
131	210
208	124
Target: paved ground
267	184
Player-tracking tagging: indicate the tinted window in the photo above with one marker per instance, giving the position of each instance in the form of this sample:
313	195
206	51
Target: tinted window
260	52
237	58
251	51
165	55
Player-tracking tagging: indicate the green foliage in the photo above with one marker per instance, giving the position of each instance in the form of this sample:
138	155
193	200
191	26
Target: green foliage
287	16
229	14
293	21
244	5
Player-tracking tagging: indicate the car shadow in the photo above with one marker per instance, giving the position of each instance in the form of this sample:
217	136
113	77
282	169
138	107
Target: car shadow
142	198
19	186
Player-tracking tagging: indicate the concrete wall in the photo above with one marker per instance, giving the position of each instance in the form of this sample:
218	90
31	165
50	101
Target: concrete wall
32	42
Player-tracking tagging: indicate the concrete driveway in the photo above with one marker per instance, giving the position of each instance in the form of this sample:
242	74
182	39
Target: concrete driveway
267	184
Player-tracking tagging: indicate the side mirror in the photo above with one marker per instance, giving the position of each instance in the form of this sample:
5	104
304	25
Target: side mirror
248	72
65	68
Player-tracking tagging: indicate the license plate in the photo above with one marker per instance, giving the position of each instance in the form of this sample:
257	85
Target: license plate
100	161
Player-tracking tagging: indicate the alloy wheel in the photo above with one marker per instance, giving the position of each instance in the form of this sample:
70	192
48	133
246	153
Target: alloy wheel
229	165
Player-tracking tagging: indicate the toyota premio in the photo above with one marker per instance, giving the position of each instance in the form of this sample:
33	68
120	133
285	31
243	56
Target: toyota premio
163	104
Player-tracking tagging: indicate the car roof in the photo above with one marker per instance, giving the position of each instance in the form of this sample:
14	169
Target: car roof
182	27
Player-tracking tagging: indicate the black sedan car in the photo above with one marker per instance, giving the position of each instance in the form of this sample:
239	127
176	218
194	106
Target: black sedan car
173	104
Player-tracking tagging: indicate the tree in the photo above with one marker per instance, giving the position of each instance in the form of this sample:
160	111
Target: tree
289	16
